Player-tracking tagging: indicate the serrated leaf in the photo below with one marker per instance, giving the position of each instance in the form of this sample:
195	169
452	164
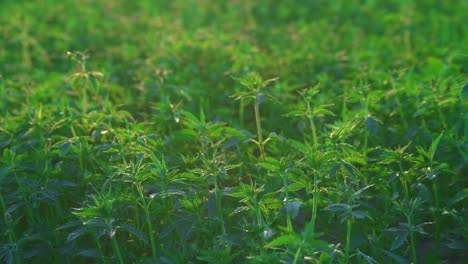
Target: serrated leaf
398	259
64	148
269	166
338	207
296	186
240	209
399	239
132	230
359	214
76	234
296	113
459	196
191	117
458	245
434	145
323	111
89	253
69	224
368	259
283	240
333	171
265	83
93	81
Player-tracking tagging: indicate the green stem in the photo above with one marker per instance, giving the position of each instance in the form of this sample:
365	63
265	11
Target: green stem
84	100
412	241
348	240
241	112
101	252
218	206
259	130
437	217
115	245
11	233
312	126
314	203
297	255
286	198
145	207
466	125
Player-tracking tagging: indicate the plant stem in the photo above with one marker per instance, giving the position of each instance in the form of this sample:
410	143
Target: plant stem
412	241
115	245
218	205
297	255
259	129
348	240
314	203
437	217
145	207
312	126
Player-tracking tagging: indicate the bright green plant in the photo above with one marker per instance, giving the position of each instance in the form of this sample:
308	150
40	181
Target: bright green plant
256	92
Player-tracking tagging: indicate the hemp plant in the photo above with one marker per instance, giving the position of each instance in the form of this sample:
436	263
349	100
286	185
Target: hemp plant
256	92
83	77
310	111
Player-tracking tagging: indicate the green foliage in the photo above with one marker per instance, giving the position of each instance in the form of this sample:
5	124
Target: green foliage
126	131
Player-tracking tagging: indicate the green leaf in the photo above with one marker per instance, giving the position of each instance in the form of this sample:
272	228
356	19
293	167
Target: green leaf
368	259
270	166
398	259
292	208
191	117
284	240
93	81
460	196
265	83
434	145
296	186
89	253
338	207
359	214
458	245
240	209
132	230
77	233
371	125
399	239
464	92
64	148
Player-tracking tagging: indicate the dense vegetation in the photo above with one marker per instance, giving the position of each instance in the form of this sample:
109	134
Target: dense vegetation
204	131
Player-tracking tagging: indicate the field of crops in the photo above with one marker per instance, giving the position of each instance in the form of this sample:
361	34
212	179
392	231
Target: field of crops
237	131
